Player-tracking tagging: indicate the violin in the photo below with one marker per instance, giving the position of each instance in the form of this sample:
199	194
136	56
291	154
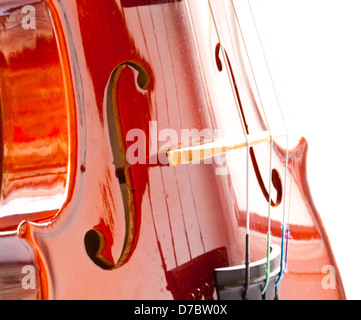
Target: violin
145	155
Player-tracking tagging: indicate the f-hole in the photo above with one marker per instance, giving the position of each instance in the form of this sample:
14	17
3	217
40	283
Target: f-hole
95	240
276	178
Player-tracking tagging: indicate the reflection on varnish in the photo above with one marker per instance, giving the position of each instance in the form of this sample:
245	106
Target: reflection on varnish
34	117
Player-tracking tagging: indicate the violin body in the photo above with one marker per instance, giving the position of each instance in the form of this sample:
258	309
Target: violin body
115	86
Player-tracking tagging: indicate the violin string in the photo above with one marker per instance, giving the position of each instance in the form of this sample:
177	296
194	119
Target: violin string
268	245
285	225
288	234
248	240
247	263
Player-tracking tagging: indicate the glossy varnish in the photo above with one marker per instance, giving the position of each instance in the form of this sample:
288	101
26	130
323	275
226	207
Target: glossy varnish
133	227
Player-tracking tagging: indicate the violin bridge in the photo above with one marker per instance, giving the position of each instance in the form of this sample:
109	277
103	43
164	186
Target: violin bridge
216	148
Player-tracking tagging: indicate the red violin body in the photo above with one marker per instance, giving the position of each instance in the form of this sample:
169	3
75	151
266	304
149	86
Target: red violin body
91	102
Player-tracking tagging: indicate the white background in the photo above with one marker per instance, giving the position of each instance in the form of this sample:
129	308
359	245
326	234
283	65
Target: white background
314	51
